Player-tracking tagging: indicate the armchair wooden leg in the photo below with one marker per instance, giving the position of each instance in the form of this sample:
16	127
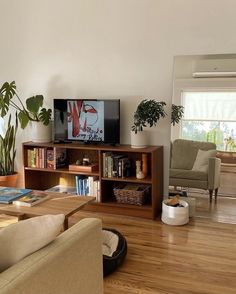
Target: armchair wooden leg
210	194
216	194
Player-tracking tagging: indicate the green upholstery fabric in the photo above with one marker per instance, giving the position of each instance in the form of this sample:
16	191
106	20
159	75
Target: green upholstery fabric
188	174
183	156
184	152
71	264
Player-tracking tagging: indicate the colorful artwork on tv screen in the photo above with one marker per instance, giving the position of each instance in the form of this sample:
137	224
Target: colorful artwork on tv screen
85	120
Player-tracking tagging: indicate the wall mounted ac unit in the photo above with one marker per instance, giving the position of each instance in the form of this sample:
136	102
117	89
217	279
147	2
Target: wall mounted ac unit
210	68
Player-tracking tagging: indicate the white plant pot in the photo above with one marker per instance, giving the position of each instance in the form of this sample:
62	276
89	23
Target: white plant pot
139	140
175	216
41	133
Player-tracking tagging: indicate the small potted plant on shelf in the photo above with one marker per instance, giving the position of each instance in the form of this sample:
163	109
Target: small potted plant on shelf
177	112
33	111
8	175
148	113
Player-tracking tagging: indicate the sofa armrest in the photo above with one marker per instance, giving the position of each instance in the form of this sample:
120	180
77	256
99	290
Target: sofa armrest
214	173
72	263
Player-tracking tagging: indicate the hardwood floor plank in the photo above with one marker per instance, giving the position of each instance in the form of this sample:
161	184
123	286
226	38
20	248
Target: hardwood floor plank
192	259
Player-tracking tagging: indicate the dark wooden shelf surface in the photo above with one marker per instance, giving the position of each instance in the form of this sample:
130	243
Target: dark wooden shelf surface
76	145
147	180
63	170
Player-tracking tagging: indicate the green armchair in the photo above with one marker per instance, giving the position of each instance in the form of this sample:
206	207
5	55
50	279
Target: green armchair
194	164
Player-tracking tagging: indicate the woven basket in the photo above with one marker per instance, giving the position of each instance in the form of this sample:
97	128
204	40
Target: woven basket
132	194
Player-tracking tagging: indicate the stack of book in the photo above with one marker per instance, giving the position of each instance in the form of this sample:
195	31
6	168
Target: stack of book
8	195
32	198
116	165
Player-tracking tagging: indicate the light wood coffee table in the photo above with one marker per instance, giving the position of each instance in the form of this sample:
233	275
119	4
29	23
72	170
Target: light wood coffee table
56	204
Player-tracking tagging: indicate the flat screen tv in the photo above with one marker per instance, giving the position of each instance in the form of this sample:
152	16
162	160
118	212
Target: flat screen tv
87	120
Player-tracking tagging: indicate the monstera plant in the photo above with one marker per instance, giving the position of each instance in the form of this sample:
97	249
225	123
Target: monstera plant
32	111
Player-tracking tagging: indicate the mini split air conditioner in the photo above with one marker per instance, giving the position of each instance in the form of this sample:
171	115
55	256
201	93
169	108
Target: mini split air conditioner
210	68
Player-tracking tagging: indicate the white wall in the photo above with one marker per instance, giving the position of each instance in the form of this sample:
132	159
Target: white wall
109	48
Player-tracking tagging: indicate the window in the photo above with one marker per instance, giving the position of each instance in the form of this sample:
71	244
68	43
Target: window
210	116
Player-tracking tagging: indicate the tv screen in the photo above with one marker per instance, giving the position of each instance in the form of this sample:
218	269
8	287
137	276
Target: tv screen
87	120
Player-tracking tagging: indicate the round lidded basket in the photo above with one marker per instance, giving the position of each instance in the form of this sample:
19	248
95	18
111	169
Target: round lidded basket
175	216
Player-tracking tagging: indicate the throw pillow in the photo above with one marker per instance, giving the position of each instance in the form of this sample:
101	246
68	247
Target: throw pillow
27	236
201	161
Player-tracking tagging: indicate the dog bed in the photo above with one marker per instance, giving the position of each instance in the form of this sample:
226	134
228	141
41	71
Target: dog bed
114	249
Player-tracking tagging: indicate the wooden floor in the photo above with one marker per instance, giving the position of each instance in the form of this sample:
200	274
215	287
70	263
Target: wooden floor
199	257
196	258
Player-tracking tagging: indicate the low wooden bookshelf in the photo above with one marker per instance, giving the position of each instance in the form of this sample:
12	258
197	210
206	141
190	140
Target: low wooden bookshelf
42	178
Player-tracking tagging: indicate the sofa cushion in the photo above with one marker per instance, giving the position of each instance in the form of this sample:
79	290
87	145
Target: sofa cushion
188	174
184	152
27	236
202	160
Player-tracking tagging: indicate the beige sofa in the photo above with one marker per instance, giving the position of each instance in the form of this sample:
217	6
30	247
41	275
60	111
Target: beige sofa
183	157
71	264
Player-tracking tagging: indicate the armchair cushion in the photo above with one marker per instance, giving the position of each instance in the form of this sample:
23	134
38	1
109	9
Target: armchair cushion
202	160
188	174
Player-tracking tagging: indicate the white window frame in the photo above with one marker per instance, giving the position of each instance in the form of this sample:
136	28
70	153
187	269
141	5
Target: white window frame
197	85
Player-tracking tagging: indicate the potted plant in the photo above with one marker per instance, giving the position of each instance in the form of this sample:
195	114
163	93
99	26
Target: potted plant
8	176
147	114
177	112
33	111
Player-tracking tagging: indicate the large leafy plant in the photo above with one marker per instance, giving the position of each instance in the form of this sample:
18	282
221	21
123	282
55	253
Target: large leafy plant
8	148
148	114
32	111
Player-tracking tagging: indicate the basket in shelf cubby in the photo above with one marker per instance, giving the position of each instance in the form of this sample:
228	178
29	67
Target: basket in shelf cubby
132	194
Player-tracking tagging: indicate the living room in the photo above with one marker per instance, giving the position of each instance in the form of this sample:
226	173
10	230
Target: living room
125	50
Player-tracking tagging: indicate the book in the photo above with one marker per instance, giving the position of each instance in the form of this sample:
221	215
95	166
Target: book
60	158
62	189
8	195
56	158
50	158
32	198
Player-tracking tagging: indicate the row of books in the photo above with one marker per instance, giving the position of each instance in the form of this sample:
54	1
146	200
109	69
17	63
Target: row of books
88	186
85	186
51	158
116	165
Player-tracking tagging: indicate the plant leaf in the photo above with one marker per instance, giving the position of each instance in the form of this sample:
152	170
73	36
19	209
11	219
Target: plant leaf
7	92
23	118
45	116
33	104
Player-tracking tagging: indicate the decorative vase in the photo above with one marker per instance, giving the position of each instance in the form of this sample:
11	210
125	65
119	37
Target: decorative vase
139	139
139	173
41	133
144	164
9	180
